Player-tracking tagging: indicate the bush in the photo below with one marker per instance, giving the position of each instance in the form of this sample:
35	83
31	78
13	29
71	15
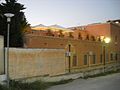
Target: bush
60	82
38	85
3	88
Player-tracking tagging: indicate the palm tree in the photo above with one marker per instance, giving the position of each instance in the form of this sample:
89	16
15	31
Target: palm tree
49	32
93	38
70	35
61	33
87	37
79	36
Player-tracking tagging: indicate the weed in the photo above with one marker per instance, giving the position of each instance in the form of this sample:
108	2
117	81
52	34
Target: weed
37	85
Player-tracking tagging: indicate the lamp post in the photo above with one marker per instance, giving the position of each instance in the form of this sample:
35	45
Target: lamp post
106	41
9	16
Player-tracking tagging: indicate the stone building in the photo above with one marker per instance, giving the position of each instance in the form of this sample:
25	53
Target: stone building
62	50
84	45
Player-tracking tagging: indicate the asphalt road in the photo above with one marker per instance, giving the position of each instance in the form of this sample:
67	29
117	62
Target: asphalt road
109	82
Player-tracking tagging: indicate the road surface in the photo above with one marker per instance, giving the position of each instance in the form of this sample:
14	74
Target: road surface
109	82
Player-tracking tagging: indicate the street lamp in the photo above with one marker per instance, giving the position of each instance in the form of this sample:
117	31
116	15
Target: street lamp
106	41
9	16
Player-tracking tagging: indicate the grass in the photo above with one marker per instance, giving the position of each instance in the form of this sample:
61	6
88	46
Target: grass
38	85
15	85
2	87
60	82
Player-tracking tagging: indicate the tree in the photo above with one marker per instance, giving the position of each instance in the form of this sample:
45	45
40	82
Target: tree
79	36
18	23
87	37
49	32
93	38
61	33
70	35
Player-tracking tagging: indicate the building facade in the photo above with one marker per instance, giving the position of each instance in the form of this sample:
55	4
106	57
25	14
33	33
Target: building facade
84	45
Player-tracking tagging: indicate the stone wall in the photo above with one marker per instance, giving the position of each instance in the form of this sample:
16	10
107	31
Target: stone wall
28	63
1	55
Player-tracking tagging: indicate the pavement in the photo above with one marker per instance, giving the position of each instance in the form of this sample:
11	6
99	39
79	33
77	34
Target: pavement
109	82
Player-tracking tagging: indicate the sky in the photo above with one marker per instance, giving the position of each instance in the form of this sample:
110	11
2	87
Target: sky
68	13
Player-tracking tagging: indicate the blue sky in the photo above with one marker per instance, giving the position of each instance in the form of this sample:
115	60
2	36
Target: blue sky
69	13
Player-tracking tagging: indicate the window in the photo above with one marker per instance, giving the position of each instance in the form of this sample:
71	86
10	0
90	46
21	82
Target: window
107	57
111	56
45	43
74	60
85	60
101	58
116	38
61	44
116	56
119	56
94	59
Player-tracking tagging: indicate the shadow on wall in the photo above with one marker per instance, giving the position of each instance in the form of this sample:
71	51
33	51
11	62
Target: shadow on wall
1	55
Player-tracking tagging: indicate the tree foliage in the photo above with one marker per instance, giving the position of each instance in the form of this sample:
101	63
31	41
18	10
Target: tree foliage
17	25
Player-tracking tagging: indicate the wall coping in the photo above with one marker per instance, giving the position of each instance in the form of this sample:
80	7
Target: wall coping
11	48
